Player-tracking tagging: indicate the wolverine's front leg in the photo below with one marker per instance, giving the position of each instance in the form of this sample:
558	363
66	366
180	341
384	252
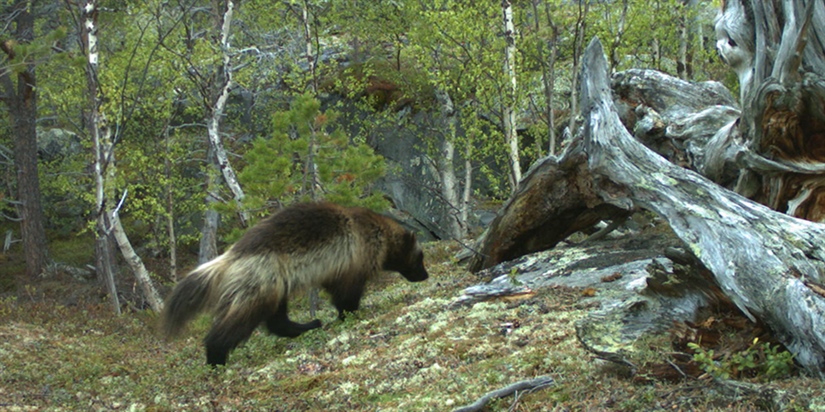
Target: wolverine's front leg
279	323
347	296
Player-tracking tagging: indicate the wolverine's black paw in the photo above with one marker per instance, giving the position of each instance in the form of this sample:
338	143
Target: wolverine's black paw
290	329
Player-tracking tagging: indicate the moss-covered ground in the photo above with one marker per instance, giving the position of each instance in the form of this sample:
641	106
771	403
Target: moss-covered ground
407	349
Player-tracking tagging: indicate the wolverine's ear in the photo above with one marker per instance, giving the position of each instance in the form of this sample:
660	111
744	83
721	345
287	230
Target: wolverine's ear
409	240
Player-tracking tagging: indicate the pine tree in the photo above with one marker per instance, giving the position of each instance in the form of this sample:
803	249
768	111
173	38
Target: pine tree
308	157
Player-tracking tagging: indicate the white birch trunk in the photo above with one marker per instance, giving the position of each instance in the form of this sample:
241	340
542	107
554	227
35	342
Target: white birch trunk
311	177
468	188
684	35
170	212
108	221
101	144
549	75
308	39
446	168
312	180
509	106
216	113
136	264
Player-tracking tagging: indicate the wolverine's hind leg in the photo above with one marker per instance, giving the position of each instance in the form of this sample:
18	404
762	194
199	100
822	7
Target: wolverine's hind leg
229	332
279	323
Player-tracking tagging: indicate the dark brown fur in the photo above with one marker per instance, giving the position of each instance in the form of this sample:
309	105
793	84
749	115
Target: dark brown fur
306	245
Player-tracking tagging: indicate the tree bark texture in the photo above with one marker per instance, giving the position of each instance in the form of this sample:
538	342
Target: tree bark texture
777	48
685	122
21	100
445	165
102	147
768	263
509	95
553	201
136	264
224	83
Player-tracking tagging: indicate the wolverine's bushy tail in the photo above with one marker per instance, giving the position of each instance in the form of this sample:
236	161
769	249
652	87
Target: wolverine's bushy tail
191	296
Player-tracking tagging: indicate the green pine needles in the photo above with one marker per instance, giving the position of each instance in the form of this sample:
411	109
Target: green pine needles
309	157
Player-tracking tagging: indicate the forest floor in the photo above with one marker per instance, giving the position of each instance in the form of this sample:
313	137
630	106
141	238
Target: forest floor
409	348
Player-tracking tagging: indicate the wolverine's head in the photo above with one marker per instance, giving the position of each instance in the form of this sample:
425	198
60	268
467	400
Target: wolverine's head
407	258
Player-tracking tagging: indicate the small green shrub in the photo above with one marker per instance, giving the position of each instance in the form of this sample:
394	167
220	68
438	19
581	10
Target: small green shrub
760	358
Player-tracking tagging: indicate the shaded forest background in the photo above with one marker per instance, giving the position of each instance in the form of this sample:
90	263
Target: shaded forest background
166	128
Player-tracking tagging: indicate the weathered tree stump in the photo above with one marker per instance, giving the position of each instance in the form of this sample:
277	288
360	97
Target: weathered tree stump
770	265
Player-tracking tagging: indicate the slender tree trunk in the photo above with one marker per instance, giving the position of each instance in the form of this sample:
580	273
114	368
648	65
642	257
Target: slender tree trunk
446	167
311	170
468	188
547	53
682	61
136	264
102	146
617	39
22	104
312	180
509	109
217	157
170	211
578	47
224	85
308	45
655	47
108	222
208	248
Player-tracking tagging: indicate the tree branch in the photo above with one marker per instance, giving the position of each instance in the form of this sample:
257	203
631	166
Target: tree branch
525	385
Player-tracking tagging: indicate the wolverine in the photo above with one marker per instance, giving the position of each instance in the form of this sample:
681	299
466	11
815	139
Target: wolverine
324	245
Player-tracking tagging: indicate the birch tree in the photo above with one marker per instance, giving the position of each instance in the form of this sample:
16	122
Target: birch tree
579	30
456	204
107	221
509	109
103	153
223	84
206	55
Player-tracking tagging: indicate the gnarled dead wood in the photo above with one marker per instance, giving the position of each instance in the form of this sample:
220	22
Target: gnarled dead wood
771	265
777	47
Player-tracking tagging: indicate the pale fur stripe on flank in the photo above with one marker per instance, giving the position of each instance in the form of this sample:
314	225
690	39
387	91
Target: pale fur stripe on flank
251	281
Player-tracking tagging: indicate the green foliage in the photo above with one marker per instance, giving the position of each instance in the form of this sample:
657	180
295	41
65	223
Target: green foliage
767	361
159	61
309	157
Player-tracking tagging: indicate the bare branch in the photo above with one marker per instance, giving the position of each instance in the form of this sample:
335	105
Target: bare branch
525	385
